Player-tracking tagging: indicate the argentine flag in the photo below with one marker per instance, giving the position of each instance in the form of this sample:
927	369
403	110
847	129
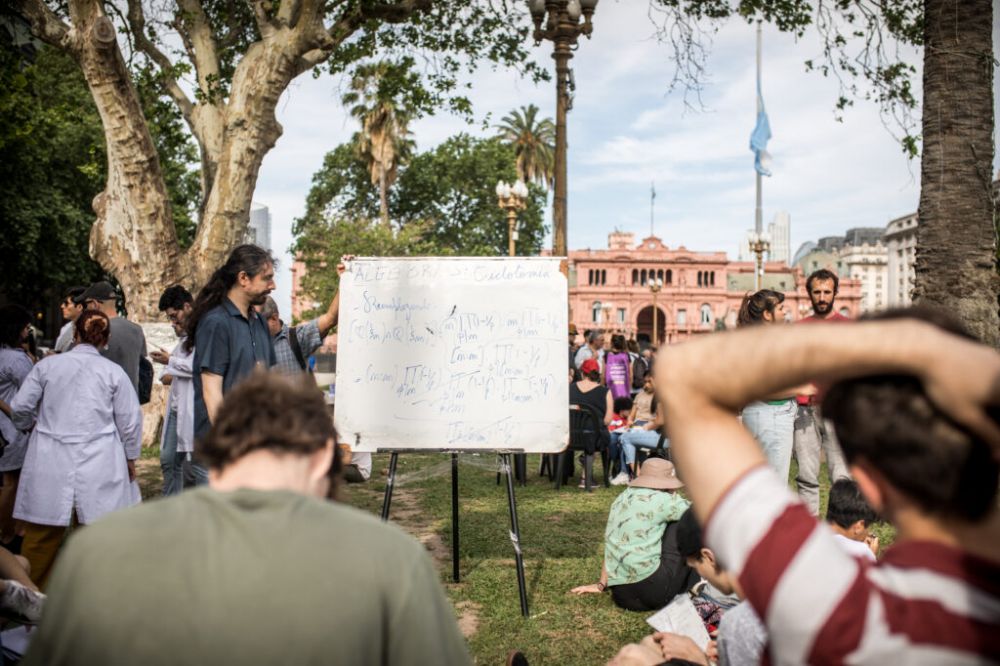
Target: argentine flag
759	137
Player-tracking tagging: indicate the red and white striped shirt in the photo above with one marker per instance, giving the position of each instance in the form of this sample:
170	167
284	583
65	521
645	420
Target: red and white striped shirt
923	603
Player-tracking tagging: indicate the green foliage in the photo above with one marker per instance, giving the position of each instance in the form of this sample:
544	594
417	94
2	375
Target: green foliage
443	202
325	240
534	144
453	188
52	164
179	158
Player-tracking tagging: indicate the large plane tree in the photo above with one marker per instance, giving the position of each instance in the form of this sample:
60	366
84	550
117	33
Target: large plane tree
225	64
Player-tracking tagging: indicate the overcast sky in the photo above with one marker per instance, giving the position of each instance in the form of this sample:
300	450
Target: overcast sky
626	131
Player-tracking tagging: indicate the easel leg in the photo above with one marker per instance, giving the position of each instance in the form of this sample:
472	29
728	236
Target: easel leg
454	517
515	534
389	483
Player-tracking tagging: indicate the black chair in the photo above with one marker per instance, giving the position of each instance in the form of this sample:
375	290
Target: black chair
585	435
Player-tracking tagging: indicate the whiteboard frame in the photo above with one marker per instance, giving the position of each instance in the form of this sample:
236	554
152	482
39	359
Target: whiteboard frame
354	439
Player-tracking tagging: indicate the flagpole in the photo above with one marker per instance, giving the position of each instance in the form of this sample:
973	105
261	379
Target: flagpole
758	213
652	200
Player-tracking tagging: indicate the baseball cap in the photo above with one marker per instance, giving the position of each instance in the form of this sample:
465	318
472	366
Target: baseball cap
99	291
589	366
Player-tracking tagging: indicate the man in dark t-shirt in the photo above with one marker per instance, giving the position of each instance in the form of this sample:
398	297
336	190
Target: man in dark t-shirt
230	338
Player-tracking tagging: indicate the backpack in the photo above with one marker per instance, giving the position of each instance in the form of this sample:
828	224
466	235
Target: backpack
145	380
639	371
293	342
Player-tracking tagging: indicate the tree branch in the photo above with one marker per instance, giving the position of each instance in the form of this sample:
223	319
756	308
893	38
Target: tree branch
45	24
264	24
195	24
324	42
137	24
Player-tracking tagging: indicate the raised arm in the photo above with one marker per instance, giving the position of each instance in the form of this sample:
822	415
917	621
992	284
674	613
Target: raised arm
329	319
706	381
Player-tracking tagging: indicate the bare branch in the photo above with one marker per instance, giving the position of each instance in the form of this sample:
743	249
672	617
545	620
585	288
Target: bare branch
45	24
137	25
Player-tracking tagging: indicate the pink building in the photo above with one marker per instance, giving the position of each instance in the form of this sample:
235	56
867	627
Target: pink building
701	291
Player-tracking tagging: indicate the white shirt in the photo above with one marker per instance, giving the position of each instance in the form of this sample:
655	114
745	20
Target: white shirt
87	422
65	339
181	397
855	548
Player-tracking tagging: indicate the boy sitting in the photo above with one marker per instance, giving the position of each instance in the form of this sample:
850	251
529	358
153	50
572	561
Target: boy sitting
850	517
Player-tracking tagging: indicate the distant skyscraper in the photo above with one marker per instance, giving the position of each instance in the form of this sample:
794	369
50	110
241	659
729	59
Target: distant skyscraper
259	230
780	231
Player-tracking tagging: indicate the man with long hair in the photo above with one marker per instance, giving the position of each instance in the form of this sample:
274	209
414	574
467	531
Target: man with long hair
228	336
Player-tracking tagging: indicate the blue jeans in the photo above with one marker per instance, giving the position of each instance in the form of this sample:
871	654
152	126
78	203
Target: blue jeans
773	427
177	467
646	439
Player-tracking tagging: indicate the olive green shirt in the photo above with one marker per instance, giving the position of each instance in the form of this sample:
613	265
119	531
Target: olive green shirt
247	577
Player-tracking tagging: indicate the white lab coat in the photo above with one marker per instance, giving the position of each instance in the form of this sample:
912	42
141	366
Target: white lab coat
181	396
87	422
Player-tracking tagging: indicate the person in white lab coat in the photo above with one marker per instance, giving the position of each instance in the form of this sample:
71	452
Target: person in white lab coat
87	434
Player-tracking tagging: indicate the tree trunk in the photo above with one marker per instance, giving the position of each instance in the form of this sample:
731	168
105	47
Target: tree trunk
383	195
133	237
251	130
956	260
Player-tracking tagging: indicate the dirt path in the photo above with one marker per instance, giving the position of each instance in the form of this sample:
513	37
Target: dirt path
407	514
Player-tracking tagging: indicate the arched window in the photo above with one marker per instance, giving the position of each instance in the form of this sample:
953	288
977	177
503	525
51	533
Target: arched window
670	277
713	278
699	278
642	277
635	276
596	312
604	276
659	275
706	314
590	276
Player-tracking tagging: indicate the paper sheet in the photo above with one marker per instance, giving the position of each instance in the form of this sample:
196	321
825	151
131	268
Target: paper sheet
680	617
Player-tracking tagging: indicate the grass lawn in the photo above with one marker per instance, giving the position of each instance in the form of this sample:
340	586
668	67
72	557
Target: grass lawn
562	540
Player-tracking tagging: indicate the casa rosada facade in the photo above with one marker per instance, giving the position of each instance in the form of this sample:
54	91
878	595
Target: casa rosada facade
701	291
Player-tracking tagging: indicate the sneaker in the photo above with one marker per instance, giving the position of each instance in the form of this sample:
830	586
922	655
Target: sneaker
621	479
22	600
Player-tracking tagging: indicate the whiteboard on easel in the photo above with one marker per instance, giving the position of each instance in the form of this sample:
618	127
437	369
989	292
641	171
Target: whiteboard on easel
453	354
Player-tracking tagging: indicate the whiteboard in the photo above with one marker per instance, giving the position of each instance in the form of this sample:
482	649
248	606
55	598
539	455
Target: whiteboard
453	354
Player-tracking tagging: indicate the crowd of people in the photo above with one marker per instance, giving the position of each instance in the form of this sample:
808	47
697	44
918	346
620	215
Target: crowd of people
251	546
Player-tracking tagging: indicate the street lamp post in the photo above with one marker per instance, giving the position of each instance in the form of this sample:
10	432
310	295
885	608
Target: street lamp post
655	285
512	198
562	27
759	244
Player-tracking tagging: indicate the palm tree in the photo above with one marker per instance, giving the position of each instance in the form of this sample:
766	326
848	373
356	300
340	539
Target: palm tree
956	265
534	144
384	140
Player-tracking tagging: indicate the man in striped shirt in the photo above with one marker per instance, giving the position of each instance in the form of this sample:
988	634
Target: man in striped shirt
915	411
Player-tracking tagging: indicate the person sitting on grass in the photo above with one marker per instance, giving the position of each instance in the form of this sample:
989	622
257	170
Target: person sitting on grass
850	517
916	409
642	566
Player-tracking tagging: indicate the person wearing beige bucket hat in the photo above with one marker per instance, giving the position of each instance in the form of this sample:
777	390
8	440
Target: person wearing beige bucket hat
642	566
